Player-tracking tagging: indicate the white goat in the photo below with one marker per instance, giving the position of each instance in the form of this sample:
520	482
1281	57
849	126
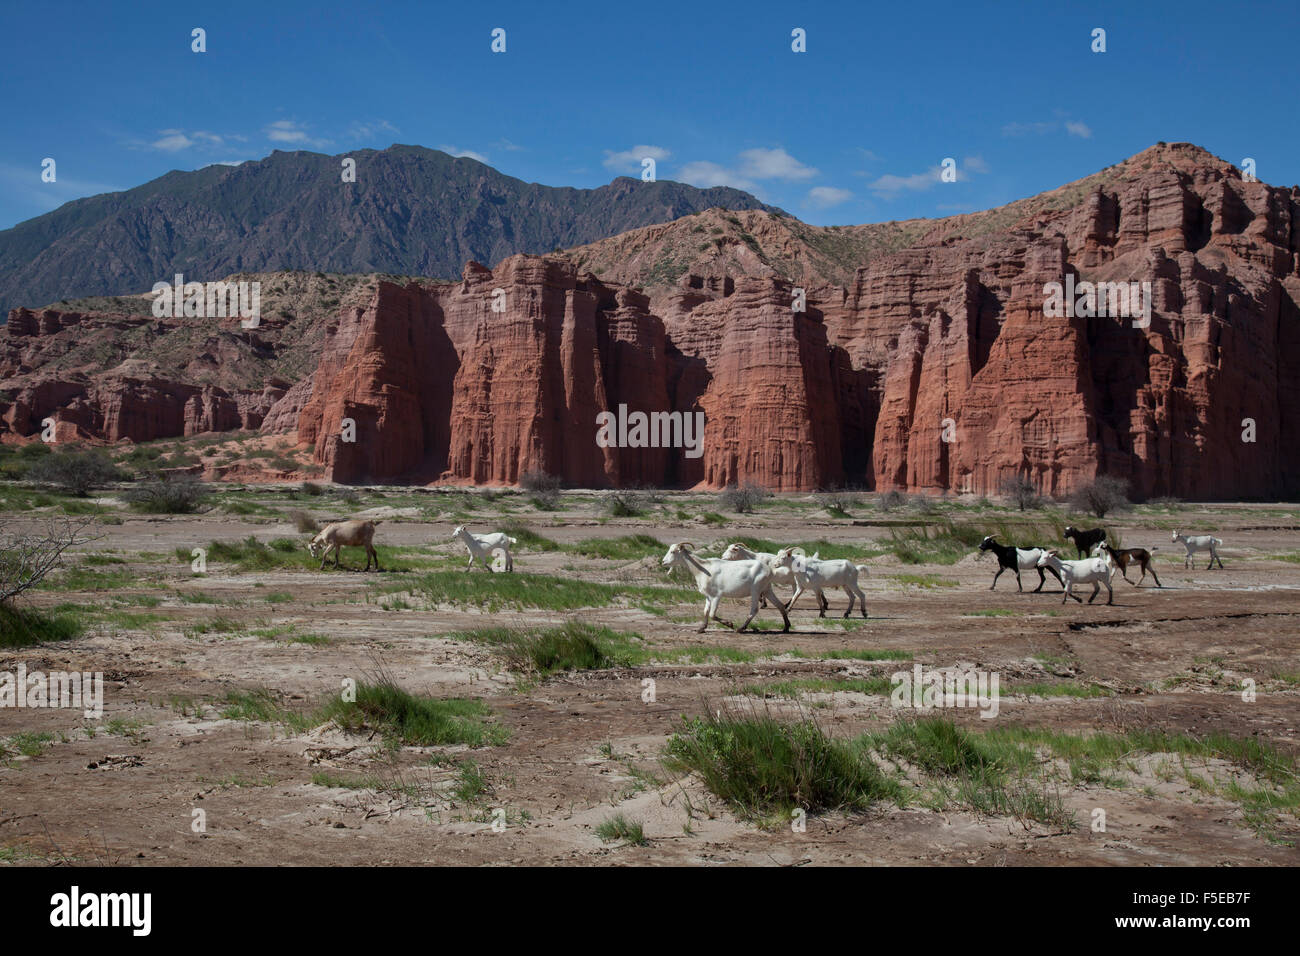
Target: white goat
1094	571
481	545
716	579
817	573
781	574
1200	542
354	534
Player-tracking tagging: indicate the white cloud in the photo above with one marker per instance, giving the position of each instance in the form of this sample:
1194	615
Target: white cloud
289	131
370	129
508	146
464	154
1042	128
172	140
824	197
704	174
752	166
773	164
629	160
1027	129
890	186
175	140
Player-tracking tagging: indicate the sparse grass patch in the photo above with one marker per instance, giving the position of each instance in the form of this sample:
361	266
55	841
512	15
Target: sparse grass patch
20	626
530	539
765	767
820	685
619	828
626	548
574	645
263	705
496	591
404	719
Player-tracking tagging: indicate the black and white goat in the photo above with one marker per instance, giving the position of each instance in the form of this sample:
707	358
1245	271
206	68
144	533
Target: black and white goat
1016	560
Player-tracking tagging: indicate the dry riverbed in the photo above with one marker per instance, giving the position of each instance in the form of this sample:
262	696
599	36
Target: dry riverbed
217	744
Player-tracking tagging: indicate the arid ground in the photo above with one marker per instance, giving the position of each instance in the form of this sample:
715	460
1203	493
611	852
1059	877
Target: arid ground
219	688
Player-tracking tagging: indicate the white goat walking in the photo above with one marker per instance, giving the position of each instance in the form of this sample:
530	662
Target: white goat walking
781	574
481	545
1200	542
354	534
816	574
716	579
1094	571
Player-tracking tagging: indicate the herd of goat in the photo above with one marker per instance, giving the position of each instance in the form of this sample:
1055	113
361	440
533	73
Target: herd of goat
744	573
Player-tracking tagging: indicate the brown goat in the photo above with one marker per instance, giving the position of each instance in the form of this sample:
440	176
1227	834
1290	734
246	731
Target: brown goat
333	537
1123	557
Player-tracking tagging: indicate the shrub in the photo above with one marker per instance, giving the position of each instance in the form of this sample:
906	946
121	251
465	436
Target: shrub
314	490
1020	490
304	522
837	502
743	499
543	489
624	504
922	504
169	495
27	557
75	471
891	500
1102	496
537	480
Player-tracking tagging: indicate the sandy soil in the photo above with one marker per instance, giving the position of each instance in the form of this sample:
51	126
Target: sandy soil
123	789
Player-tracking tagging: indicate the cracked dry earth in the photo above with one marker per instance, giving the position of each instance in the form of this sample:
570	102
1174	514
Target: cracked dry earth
123	789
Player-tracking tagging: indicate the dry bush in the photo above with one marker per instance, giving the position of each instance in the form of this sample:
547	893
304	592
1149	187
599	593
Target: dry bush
1020	490
743	499
27	557
1102	496
170	495
304	522
75	471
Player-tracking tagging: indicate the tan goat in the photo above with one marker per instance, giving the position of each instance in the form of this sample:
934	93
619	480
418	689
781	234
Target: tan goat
333	537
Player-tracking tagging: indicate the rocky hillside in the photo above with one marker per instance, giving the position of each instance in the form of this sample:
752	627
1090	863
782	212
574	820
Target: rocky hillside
929	365
411	211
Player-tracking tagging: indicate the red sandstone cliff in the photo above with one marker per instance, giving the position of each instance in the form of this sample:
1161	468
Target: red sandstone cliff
944	337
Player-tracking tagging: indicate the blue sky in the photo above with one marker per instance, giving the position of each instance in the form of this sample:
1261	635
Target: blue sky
851	131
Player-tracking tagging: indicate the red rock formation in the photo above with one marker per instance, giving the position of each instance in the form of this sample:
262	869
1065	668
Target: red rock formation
936	368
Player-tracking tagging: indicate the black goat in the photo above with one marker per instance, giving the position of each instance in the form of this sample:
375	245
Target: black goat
1014	560
1085	541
